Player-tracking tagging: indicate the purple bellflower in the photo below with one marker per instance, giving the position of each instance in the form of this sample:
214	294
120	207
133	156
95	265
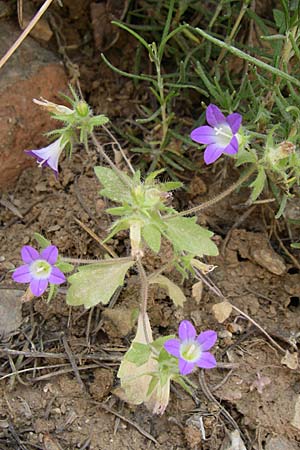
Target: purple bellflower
39	269
49	156
191	350
221	134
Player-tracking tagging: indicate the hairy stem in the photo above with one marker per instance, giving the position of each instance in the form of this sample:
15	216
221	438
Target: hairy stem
109	161
94	261
120	149
144	296
218	197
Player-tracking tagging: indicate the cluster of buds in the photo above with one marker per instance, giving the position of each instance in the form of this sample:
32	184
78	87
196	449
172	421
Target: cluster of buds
78	123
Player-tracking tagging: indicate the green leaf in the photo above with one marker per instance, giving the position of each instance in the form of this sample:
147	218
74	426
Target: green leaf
258	184
170	186
188	236
65	267
281	206
295	245
120	225
113	187
43	242
96	283
245	157
100	120
279	18
159	342
152	236
174	291
52	291
138	354
135	380
118	211
150	178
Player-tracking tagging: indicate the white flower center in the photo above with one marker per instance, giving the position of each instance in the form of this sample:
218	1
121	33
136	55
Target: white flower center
223	135
190	350
40	269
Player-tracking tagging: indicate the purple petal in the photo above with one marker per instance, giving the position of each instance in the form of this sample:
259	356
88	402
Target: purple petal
204	135
214	116
185	367
42	162
234	120
29	254
172	346
206	361
22	274
49	155
56	276
186	330
212	153
38	287
35	155
232	147
50	254
207	339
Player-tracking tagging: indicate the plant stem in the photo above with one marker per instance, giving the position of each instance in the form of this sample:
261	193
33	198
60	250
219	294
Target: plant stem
239	53
120	149
218	197
144	296
109	161
95	261
25	33
232	34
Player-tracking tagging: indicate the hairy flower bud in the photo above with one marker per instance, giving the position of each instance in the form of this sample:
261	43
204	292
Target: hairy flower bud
82	108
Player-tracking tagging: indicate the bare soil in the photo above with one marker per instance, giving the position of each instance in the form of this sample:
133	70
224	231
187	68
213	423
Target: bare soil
47	404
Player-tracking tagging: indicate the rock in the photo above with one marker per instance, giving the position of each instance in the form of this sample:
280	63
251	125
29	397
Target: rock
32	72
281	443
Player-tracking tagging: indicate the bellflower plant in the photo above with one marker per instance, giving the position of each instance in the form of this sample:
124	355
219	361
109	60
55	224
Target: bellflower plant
221	134
49	156
39	269
78	124
190	350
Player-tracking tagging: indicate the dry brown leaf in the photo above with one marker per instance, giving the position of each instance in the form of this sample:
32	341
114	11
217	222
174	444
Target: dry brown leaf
290	360
222	311
10	310
197	291
236	442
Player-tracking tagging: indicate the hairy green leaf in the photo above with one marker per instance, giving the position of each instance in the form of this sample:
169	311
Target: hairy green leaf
113	187
258	184
43	242
187	235
138	354
65	266
96	283
152	236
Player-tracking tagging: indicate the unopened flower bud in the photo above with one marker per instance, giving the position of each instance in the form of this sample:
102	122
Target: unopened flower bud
52	107
82	108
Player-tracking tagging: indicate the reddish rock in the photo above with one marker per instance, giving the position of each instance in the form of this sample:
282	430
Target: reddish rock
32	72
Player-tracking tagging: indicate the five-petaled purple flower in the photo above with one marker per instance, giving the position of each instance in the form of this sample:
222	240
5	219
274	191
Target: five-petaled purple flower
192	350
220	136
39	269
49	156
